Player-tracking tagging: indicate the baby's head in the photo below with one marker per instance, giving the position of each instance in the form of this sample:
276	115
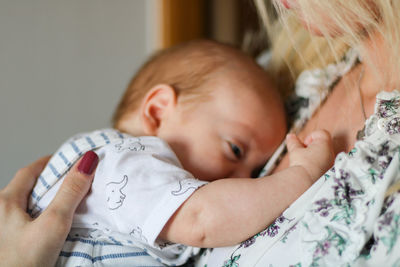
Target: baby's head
213	105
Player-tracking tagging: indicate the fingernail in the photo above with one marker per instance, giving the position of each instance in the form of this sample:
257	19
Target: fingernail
289	135
88	163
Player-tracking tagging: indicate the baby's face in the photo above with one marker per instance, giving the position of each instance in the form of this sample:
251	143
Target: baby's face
231	134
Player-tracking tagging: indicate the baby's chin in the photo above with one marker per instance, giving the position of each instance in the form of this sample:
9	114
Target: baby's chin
205	177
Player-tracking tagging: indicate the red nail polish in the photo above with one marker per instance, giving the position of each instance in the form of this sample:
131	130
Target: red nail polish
88	163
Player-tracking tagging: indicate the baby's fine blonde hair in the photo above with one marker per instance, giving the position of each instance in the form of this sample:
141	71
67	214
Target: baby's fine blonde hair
184	67
295	49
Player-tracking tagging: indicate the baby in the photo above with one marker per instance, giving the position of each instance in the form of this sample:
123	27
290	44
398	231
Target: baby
196	122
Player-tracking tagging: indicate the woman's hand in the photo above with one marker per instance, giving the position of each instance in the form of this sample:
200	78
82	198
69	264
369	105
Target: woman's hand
37	242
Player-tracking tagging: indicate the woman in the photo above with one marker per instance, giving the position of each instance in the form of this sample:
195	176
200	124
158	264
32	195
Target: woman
351	216
344	218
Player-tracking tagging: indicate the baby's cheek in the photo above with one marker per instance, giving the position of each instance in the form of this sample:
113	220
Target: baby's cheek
211	168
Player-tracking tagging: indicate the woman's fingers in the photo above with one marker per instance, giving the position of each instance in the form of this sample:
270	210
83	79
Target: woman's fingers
57	217
20	187
74	188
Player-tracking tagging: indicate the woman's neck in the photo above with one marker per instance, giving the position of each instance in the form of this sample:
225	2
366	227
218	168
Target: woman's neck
378	69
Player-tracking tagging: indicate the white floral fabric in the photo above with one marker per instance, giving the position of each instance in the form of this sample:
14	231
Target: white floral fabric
344	219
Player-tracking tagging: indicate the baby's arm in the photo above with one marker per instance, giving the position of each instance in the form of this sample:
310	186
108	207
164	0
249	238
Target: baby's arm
228	211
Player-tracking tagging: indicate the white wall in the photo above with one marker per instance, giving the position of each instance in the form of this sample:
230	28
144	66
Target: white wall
63	66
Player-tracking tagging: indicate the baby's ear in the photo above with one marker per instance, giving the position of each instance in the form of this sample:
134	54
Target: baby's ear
157	105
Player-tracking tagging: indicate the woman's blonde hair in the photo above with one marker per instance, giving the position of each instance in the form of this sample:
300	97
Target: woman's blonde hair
295	49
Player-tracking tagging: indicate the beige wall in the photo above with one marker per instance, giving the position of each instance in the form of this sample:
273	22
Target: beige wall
63	67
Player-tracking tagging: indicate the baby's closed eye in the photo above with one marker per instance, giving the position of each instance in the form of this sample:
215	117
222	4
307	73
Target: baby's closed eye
233	151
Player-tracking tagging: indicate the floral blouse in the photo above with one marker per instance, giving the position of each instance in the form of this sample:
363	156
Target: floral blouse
344	219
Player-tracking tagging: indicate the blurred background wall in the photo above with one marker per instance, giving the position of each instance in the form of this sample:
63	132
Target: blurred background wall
64	64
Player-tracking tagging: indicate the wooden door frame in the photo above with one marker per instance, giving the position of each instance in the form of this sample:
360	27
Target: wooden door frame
181	20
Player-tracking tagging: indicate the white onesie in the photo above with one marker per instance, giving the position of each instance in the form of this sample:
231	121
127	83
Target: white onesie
139	184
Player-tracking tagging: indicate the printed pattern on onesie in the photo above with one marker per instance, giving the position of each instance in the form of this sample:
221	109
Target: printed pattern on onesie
139	184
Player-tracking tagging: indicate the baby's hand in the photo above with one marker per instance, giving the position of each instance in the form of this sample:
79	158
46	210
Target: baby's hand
315	155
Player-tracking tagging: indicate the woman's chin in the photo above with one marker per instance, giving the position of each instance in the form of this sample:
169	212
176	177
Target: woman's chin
315	30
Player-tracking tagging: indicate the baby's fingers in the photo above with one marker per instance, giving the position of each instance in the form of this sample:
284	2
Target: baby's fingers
318	136
293	142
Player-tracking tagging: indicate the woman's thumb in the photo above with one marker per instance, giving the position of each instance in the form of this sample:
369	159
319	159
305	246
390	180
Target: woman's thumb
74	187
